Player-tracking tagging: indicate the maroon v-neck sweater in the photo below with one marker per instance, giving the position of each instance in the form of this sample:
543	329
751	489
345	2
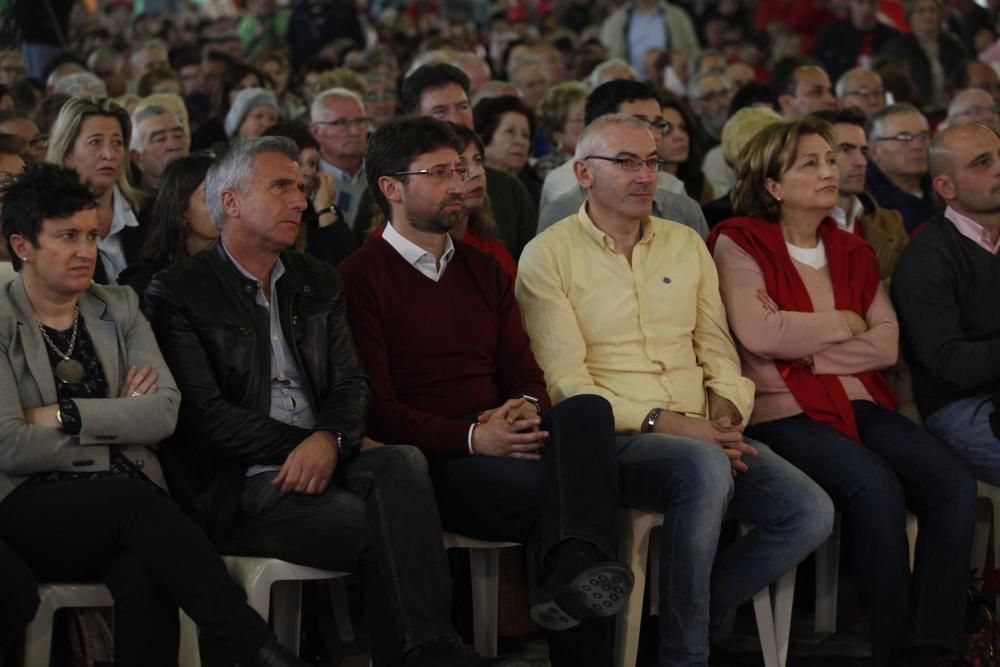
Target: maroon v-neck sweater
440	352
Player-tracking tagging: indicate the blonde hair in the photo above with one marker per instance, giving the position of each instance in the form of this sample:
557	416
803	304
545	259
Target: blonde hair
341	77
554	107
744	126
770	154
67	129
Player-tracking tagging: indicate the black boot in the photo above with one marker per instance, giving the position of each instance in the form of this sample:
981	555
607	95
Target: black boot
273	654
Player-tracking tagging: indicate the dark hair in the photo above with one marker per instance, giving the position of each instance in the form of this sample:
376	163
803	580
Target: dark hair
847	115
11	144
394	146
40	192
783	81
689	171
748	95
466	136
231	77
295	131
184	57
12	114
487	114
150	79
164	243
607	97
427	77
481	222
958	78
49	110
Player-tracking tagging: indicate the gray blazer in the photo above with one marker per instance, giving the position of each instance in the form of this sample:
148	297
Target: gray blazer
122	337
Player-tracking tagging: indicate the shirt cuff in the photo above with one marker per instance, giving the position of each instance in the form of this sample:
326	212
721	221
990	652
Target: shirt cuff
472	427
70	417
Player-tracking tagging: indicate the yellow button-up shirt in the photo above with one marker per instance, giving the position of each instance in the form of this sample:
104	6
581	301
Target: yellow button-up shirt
648	334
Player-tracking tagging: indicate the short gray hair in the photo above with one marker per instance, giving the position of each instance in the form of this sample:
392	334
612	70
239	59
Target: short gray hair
316	108
591	139
144	113
873	126
695	82
234	170
841	88
81	84
105	53
593	80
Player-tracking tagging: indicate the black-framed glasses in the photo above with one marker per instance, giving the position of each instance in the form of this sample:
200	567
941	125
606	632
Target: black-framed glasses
907	137
631	163
344	123
440	174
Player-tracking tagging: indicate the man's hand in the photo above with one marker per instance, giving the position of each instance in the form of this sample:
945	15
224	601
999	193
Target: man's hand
138	381
731	442
309	467
723	414
506	432
855	322
42	416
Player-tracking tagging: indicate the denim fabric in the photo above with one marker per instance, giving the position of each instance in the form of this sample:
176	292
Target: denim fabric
572	492
965	427
898	466
690	483
378	518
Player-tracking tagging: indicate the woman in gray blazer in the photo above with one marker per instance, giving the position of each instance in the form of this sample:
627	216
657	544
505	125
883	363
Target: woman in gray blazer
86	396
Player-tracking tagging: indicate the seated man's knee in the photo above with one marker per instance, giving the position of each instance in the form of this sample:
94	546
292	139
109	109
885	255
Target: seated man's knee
397	459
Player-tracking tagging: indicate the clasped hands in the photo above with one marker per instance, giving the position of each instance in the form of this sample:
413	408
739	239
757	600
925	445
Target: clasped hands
510	430
722	428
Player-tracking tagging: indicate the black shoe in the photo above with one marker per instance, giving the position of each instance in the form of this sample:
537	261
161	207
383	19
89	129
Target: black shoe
445	653
599	589
273	654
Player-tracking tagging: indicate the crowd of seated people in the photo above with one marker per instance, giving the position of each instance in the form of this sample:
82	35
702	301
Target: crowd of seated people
318	283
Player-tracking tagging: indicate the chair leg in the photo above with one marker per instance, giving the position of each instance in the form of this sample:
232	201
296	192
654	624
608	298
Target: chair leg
827	575
633	548
784	596
764	616
38	636
341	609
485	571
189	655
286	598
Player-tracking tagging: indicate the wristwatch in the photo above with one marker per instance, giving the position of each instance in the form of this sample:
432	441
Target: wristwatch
534	401
650	423
332	208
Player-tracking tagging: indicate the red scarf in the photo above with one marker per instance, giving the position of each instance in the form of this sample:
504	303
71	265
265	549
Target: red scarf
855	276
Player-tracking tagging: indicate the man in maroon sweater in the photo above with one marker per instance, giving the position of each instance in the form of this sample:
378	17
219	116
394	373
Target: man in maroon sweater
439	331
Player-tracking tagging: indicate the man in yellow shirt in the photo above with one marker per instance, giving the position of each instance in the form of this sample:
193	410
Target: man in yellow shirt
627	306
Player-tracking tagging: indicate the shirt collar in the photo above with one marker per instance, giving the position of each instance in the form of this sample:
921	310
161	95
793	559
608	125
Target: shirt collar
277	270
413	253
342	175
846	218
602	238
972	230
122	215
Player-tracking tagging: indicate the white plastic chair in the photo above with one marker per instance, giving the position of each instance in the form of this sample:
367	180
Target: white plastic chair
484	561
772	609
265	579
38	635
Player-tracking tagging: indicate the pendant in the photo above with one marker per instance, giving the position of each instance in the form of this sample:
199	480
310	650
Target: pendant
69	371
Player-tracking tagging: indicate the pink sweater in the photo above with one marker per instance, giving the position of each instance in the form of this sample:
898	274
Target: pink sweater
820	338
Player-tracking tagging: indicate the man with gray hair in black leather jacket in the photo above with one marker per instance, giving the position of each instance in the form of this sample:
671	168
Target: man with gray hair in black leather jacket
268	453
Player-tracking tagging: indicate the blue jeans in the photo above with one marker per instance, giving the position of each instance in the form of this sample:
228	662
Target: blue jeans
690	483
965	427
898	466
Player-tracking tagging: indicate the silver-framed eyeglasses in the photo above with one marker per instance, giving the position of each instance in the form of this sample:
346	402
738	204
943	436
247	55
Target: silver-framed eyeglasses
631	163
440	174
907	137
344	123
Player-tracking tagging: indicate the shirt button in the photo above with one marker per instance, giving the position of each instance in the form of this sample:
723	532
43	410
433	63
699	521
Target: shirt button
274	338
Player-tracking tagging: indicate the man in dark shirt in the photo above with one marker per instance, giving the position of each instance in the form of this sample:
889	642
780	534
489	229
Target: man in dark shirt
452	371
268	452
945	291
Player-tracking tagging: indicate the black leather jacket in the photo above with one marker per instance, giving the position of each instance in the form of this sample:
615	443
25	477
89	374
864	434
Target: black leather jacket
215	340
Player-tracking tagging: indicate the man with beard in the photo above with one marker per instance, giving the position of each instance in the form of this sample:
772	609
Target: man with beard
440	334
945	292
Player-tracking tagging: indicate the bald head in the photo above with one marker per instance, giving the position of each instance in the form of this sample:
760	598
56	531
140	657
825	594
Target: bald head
965	167
973	105
950	145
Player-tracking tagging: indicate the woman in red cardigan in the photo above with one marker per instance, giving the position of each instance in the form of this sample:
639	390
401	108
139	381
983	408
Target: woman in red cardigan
814	330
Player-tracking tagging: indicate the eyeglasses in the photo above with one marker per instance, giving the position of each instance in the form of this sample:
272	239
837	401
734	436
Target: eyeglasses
439	174
344	123
40	142
631	163
384	95
907	137
877	94
661	125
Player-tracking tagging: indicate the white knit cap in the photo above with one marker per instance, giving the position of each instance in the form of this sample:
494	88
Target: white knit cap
248	100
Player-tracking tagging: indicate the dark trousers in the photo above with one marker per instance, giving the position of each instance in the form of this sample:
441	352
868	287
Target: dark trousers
897	466
376	518
572	492
131	536
18	597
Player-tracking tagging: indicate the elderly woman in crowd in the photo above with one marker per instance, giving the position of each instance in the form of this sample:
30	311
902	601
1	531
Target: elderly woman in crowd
91	136
814	330
86	395
506	126
253	111
560	114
